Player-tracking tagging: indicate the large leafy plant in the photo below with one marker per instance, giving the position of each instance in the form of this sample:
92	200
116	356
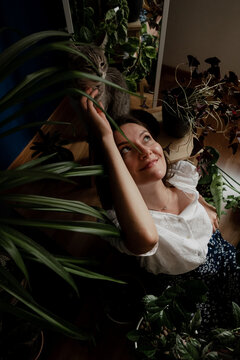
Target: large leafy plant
133	55
15	242
169	328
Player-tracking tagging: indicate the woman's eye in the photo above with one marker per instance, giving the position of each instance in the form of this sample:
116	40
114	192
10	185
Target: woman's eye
147	138
125	150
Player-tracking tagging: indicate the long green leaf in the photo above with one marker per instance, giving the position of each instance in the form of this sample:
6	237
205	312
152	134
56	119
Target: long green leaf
34	104
92	169
36	250
8	245
216	189
24	89
87	227
26	177
11	286
56	204
66	328
38	161
61	46
30	125
79	271
57	171
13	51
44	78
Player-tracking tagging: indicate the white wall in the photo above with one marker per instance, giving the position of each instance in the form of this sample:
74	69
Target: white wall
204	28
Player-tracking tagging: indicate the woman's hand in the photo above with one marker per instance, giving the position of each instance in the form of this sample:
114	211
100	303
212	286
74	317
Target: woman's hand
96	118
212	213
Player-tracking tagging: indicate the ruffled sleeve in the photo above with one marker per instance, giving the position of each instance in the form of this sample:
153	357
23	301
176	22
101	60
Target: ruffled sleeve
185	175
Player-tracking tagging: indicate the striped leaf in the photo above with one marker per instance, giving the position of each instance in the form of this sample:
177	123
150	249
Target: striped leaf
50	203
11	286
33	248
86	227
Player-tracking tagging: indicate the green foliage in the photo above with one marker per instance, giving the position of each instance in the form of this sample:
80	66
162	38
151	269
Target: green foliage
111	31
83	19
22	249
114	26
140	55
111	27
213	180
175	335
232	202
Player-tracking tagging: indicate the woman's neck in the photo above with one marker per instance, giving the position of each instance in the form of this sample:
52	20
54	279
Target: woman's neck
156	195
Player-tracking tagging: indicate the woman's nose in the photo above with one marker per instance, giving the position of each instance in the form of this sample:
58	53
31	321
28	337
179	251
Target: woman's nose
145	152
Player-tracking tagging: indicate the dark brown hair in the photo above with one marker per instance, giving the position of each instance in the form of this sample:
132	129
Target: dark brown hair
148	121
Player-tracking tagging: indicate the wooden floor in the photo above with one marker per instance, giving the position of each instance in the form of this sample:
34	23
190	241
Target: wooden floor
111	341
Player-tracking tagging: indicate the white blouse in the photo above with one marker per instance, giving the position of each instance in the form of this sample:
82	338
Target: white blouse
183	239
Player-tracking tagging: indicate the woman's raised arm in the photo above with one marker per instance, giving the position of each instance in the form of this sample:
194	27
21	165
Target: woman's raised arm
140	233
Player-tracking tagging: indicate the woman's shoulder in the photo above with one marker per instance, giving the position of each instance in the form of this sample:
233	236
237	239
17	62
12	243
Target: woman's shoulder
184	173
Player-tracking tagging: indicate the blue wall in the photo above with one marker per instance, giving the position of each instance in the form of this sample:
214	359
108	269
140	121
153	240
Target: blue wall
26	17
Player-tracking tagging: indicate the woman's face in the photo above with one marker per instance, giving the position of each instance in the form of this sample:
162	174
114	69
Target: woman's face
147	165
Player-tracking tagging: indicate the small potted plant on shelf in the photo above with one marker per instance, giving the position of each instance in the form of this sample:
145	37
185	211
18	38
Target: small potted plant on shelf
200	100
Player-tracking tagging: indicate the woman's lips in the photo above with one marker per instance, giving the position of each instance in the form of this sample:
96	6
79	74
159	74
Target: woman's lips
149	164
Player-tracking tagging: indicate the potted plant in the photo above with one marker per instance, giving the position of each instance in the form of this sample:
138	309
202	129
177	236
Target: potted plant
169	327
202	98
133	56
17	242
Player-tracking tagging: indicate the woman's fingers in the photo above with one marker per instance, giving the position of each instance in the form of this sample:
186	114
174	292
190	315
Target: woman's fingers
215	224
83	99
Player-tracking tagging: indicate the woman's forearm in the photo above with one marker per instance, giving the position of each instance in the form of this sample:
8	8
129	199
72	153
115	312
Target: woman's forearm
140	233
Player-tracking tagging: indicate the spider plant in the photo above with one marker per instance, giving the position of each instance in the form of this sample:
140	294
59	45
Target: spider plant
15	241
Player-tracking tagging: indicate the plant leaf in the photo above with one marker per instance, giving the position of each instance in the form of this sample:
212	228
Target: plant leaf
236	314
11	286
14	253
87	227
40	253
216	189
55	204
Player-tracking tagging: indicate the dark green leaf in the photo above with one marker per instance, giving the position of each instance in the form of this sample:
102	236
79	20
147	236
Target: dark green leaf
150	52
87	227
31	247
10	285
9	246
216	188
236	314
133	335
56	204
13	51
212	355
195	321
226	337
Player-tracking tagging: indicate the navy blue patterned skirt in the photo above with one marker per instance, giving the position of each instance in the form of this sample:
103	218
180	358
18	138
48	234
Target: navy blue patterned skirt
221	274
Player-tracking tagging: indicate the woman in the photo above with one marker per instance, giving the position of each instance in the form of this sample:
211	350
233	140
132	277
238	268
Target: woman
164	222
